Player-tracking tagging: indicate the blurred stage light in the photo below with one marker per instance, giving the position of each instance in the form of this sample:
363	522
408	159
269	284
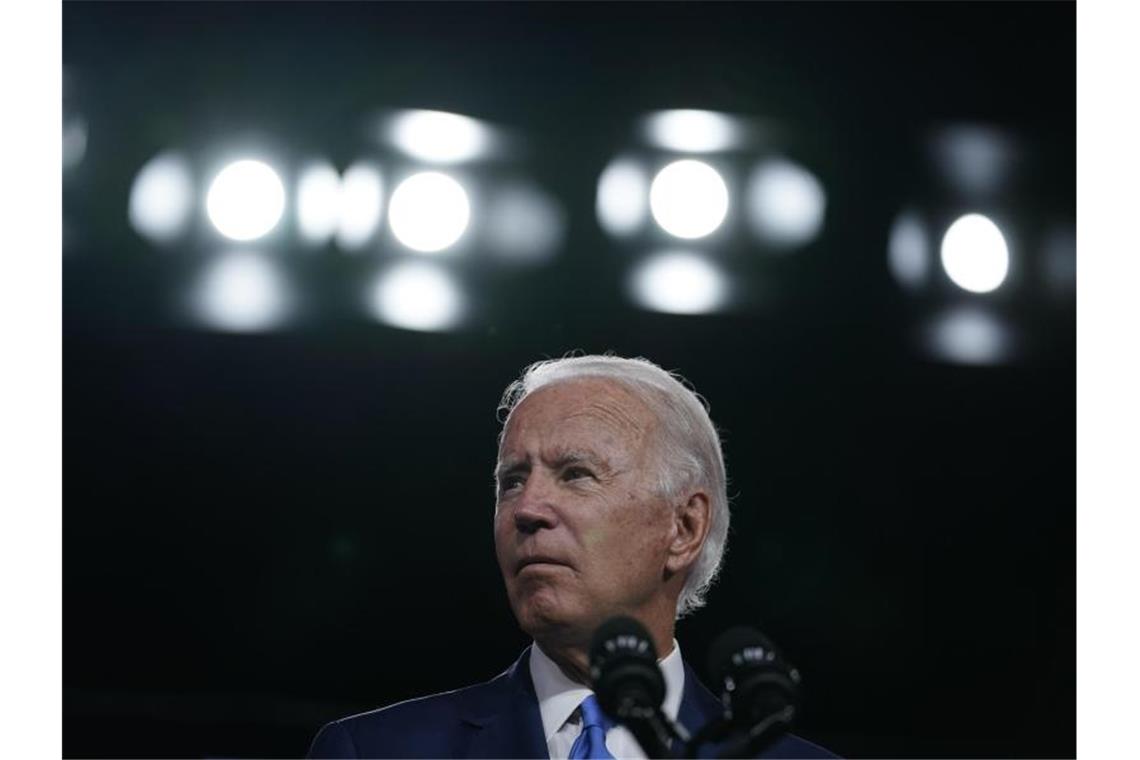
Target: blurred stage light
969	335
439	137
416	295
361	205
908	250
974	254
679	283
786	203
318	202
429	211
242	291
245	200
688	199
975	160
623	193
691	131
1059	260
523	224
74	142
162	197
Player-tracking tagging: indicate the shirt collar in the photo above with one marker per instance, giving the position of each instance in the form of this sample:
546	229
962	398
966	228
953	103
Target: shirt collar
559	697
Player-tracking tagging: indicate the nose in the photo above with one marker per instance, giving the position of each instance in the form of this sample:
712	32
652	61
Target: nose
535	509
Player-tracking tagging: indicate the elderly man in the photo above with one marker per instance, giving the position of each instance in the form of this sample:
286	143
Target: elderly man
610	500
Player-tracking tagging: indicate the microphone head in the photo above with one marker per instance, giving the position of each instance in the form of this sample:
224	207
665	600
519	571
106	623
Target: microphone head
754	679
624	669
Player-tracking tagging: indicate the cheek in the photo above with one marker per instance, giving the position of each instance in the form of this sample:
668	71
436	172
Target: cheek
595	539
646	538
634	538
502	537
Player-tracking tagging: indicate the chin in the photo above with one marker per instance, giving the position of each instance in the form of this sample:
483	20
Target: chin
545	618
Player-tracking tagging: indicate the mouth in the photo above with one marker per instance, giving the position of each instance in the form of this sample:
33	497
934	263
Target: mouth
539	561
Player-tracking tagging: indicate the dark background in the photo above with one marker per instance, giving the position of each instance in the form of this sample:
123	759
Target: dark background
266	532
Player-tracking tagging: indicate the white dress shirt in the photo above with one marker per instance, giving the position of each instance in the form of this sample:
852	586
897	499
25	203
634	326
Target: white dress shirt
559	697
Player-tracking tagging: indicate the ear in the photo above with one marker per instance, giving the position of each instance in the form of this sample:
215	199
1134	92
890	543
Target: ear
690	527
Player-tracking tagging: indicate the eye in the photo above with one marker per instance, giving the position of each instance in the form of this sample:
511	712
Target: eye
510	483
576	472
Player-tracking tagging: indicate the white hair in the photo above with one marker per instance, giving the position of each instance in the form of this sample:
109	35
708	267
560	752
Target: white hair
691	456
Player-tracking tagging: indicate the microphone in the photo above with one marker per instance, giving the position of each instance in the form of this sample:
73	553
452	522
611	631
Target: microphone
760	689
629	684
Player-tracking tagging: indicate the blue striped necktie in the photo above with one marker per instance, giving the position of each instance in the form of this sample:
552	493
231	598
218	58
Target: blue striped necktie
591	743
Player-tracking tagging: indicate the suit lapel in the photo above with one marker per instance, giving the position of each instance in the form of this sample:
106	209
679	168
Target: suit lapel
507	721
698	707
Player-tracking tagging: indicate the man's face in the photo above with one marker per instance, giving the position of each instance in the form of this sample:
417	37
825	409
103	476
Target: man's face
579	533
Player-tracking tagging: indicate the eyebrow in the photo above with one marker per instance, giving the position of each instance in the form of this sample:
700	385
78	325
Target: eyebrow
558	459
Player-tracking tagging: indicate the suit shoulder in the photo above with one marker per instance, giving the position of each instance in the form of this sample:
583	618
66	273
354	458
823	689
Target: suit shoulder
433	705
795	748
422	727
404	729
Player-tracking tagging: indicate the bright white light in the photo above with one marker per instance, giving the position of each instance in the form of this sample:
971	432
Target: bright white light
161	198
318	202
245	200
969	336
242	292
908	251
679	283
691	131
786	203
974	254
623	197
416	295
688	199
523	224
361	205
429	211
439	137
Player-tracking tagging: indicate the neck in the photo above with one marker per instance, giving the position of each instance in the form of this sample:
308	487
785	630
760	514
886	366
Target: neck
574	662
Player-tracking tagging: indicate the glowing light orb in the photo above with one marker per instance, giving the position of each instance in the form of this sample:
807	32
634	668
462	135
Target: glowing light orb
318	202
974	254
786	203
1059	259
242	292
691	131
416	296
967	335
245	200
974	159
679	283
523	224
688	199
908	252
429	211
74	142
623	197
361	205
161	198
439	137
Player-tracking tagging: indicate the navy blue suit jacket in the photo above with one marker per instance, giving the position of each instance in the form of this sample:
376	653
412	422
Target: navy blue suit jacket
499	718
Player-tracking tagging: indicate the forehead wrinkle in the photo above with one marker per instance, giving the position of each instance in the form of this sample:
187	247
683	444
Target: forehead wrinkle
624	415
613	415
629	417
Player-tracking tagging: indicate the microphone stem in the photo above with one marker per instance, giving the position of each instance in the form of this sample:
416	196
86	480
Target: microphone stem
653	731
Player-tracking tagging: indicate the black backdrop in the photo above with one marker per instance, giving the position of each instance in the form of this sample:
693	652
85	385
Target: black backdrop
262	533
